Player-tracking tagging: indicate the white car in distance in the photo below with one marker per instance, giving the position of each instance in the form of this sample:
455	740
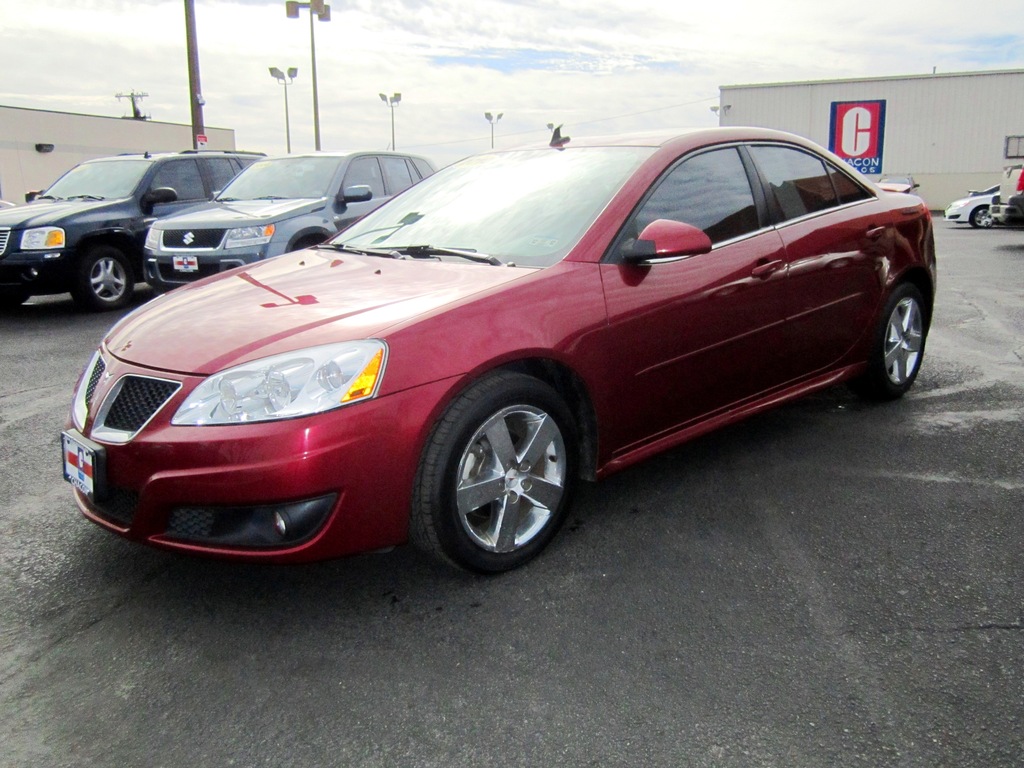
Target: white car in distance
975	209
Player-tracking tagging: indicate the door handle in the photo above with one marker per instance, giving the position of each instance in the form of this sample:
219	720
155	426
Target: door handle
766	268
874	233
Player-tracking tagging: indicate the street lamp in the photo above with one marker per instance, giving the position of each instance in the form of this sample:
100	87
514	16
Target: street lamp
286	80
392	102
492	120
323	13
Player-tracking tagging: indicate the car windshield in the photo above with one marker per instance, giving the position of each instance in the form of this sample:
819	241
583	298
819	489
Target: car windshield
283	178
107	179
527	207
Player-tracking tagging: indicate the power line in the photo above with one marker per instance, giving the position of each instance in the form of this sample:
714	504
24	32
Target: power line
585	122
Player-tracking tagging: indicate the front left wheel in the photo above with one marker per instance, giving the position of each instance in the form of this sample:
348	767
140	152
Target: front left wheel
104	280
496	478
981	217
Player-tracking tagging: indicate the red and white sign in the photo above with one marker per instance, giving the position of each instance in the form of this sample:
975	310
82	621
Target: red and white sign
200	140
857	133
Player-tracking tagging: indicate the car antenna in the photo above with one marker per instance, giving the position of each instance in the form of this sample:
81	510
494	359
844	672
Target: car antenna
558	141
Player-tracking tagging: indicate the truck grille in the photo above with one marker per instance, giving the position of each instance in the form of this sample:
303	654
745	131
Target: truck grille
5	235
192	239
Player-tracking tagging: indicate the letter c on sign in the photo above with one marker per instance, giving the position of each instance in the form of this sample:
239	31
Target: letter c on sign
856	139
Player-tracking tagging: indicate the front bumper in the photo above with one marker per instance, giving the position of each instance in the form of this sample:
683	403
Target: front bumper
38	271
165	270
168	479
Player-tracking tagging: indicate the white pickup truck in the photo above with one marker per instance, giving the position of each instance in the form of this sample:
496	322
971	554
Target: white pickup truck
1008	206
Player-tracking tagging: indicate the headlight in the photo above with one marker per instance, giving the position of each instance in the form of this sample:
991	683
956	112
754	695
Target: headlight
41	238
245	236
284	386
152	239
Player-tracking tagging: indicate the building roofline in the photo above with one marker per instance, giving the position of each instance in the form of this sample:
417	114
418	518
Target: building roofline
107	117
882	78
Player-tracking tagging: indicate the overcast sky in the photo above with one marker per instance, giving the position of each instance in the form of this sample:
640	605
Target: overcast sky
598	66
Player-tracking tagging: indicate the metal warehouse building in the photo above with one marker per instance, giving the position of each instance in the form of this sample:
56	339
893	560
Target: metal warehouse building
951	132
37	145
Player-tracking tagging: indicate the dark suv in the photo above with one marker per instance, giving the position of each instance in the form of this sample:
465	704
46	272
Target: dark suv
85	233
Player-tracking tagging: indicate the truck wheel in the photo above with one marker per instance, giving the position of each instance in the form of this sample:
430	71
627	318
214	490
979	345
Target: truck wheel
104	279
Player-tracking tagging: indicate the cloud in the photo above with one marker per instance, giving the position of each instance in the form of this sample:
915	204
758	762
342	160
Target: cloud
601	66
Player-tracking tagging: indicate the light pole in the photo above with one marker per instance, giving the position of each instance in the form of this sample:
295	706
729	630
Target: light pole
323	13
492	120
286	80
392	101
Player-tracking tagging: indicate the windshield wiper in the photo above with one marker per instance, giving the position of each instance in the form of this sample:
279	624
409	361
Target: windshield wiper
46	197
385	253
429	251
270	197
85	197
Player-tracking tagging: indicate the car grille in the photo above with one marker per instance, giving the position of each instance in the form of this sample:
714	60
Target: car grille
5	235
118	506
94	380
192	239
130	405
191	523
137	401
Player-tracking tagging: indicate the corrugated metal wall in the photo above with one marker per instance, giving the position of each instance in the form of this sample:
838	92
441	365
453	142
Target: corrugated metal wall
947	130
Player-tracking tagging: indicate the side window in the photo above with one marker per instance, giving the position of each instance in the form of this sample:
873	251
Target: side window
220	171
423	169
798	182
365	170
849	191
709	191
396	174
183	177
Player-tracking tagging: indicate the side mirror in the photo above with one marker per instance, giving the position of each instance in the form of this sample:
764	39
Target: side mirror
159	195
30	196
358	193
664	240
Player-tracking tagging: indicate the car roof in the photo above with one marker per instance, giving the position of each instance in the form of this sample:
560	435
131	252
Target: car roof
683	138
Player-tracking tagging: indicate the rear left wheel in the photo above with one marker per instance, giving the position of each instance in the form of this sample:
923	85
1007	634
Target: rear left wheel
898	346
496	478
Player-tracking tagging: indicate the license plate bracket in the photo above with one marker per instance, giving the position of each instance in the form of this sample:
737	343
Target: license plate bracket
186	263
85	464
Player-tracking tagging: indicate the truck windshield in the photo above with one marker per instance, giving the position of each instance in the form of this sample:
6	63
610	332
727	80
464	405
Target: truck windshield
107	179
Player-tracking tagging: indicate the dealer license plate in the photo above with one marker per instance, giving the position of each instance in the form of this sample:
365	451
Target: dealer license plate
84	464
186	264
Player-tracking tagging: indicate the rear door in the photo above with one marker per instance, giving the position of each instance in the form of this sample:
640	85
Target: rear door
838	238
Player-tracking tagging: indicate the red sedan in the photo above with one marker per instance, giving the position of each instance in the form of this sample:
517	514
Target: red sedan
446	370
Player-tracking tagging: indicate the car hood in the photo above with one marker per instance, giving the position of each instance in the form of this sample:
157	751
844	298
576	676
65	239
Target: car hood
51	213
241	213
298	300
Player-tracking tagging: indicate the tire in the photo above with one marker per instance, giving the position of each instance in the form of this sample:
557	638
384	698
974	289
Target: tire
104	279
10	298
981	217
897	347
489	509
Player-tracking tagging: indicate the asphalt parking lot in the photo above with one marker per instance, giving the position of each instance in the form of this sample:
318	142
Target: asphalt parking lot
831	584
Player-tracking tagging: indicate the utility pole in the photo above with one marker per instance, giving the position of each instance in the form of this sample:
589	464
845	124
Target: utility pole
196	99
135	99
